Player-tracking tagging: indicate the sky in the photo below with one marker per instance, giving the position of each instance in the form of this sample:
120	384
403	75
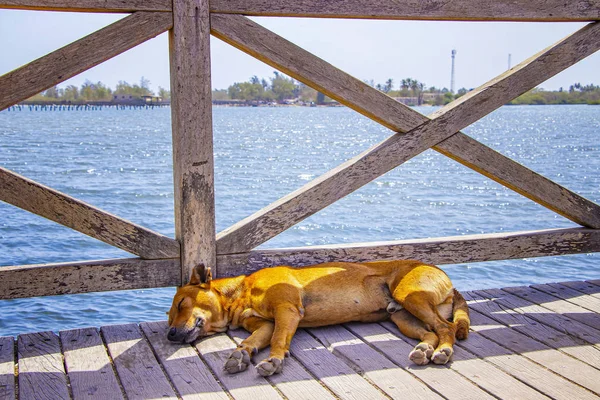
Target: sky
367	49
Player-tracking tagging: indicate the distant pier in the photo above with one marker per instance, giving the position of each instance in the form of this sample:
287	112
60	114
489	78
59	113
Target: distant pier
87	106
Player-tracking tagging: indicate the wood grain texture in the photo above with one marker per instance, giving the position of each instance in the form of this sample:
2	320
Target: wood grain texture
583	287
186	371
87	276
448	250
82	217
248	385
396	347
81	55
552	359
7	368
571	295
88	5
464	10
41	370
380	371
556	304
422	133
90	372
191	115
503	316
295	383
139	372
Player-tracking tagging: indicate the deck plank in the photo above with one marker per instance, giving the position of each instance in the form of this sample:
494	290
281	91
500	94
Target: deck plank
182	364
7	368
393	380
584	287
552	359
574	346
441	379
541	304
332	371
90	372
247	385
137	368
295	382
41	370
571	295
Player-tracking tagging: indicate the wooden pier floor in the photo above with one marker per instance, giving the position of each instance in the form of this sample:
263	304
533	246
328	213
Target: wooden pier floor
532	342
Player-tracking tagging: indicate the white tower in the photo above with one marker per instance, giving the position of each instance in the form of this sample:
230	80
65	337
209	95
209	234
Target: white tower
509	61
452	74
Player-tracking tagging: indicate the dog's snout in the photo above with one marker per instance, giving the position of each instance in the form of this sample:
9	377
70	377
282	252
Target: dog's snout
172	334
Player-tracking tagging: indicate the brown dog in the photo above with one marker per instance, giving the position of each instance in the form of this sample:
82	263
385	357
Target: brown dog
273	302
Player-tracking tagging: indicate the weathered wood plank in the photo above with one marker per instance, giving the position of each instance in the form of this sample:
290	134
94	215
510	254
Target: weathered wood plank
139	372
82	217
334	373
483	374
81	55
391	379
7	368
88	5
276	51
544	315
449	250
554	338
486	10
295	383
584	287
247	385
393	344
41	371
189	375
571	295
191	115
87	276
557	305
91	375
552	359
524	369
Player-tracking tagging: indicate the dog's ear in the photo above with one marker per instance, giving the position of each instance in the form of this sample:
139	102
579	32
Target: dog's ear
200	274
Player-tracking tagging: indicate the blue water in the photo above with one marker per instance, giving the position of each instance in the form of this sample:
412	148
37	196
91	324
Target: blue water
121	162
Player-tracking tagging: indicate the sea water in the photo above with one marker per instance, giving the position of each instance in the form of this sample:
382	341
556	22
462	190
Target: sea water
121	161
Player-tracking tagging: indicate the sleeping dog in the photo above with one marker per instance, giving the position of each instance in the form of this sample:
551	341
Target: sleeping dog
273	302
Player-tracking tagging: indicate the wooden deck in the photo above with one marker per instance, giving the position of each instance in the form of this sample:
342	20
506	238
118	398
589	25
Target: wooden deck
532	342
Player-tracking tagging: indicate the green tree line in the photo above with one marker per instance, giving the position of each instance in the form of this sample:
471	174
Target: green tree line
98	91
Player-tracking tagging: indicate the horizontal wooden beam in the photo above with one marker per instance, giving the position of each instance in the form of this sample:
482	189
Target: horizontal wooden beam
81	55
75	214
103	6
263	44
87	276
445	250
461	10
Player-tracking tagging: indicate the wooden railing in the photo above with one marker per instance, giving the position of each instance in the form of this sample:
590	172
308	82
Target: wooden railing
166	262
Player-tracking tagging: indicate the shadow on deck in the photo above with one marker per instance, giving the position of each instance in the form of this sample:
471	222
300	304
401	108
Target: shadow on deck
526	342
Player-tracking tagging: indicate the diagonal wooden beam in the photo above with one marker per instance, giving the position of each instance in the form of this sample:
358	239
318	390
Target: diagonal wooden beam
296	62
88	5
81	55
441	250
75	214
458	10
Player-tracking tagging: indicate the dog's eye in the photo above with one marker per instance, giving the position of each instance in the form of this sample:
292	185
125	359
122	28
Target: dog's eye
179	305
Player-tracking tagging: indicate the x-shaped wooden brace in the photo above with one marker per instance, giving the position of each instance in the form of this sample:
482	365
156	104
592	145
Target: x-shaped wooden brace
441	132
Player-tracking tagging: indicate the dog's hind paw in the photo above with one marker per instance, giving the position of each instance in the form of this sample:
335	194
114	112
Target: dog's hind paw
421	354
238	361
442	356
270	366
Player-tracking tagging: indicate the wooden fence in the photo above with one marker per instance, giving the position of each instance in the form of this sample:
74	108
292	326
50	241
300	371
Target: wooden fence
163	261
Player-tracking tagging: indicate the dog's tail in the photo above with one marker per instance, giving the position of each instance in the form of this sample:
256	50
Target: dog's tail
460	315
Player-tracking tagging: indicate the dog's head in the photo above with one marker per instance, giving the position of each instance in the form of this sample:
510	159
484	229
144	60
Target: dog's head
196	311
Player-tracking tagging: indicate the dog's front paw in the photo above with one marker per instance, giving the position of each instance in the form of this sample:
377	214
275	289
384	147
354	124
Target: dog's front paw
442	356
421	354
270	366
238	361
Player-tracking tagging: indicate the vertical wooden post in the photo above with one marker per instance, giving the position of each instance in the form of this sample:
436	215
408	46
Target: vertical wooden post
191	111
